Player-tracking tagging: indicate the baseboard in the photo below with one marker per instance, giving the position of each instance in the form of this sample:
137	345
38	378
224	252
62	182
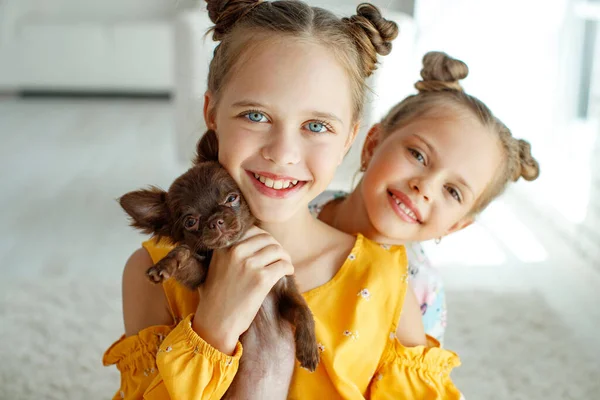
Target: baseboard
90	94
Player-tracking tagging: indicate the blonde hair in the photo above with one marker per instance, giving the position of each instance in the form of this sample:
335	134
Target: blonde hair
355	41
440	89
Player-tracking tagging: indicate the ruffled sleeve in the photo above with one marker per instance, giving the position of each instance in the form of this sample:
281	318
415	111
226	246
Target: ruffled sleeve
178	365
421	372
190	368
135	358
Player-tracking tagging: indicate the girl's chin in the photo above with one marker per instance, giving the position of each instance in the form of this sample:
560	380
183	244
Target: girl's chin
400	234
272	215
393	241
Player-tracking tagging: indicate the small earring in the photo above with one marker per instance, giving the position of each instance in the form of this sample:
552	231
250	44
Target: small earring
363	167
438	240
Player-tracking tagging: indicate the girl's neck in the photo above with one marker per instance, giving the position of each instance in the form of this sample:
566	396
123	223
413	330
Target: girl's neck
350	215
295	235
317	250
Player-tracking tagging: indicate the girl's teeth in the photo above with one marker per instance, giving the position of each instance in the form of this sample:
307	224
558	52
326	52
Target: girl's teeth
404	208
273	184
407	210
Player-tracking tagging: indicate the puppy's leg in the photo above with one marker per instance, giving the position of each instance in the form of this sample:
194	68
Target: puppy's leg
294	309
182	264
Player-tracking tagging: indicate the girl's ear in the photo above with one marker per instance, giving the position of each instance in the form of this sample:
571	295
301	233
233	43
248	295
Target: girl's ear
371	143
209	114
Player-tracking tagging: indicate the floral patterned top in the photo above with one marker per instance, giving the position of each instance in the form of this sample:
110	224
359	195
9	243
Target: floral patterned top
425	280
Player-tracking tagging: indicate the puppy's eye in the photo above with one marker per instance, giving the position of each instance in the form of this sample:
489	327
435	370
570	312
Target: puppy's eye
190	223
232	199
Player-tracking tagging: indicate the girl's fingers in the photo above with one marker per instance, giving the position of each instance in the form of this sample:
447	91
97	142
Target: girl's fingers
272	273
279	269
253	231
251	245
266	256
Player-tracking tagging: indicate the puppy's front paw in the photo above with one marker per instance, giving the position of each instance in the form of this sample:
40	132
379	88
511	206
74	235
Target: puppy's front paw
157	274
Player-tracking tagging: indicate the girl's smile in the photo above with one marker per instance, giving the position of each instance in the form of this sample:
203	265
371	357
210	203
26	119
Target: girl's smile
404	207
275	186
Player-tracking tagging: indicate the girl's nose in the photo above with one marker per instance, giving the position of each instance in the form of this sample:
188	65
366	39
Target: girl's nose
422	187
283	148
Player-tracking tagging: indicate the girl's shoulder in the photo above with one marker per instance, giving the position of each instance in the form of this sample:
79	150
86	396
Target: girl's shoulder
144	305
180	300
319	202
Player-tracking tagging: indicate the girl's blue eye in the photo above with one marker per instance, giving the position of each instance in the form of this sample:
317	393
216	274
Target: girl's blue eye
256	117
454	193
418	156
316	127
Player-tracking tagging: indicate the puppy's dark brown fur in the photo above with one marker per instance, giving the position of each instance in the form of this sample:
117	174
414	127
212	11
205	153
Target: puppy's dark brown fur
204	210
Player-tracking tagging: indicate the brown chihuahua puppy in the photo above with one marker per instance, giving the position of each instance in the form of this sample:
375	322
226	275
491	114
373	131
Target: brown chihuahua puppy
204	210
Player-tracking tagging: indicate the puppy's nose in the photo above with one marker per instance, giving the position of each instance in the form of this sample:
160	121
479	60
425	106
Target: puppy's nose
218	224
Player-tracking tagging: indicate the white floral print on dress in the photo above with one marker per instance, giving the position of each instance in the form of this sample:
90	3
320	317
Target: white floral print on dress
365	294
351	257
404	277
321	347
353	335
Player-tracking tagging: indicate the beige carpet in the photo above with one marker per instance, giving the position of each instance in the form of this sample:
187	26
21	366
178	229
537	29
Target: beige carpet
54	330
513	346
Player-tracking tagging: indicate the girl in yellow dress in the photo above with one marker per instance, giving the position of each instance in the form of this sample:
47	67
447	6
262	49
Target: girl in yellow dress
285	92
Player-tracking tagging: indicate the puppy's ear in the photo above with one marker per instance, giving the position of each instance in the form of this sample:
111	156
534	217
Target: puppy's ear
148	210
207	148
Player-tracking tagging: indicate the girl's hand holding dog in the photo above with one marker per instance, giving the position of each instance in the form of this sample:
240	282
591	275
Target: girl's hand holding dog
239	279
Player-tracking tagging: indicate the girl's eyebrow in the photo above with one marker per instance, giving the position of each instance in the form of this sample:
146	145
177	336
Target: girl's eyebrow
247	103
427	144
464	183
432	149
328	116
316	114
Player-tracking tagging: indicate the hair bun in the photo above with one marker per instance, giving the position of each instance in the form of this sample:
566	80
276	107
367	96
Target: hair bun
226	13
380	31
530	169
373	34
441	72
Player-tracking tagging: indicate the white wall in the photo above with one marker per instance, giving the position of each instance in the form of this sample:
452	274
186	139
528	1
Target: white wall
405	6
